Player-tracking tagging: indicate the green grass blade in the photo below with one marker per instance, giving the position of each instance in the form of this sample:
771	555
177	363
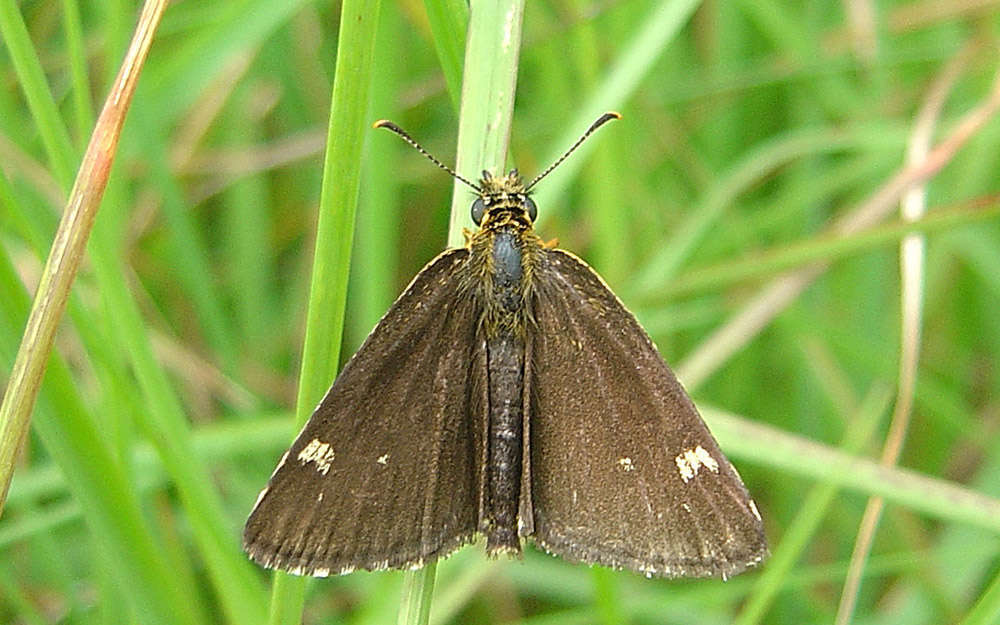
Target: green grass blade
448	19
251	263
83	110
775	449
43	107
374	266
417	592
346	132
488	87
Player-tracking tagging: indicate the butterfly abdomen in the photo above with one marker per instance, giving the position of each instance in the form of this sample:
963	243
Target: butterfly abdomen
503	306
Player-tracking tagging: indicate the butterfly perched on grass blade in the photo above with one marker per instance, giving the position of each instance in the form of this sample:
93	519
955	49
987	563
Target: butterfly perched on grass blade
507	392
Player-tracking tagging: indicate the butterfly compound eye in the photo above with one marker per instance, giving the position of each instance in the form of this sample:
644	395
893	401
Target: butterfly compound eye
529	205
478	210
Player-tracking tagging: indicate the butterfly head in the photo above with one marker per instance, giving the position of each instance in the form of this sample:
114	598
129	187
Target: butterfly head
503	198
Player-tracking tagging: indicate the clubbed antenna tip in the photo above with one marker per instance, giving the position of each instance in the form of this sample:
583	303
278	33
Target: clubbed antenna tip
388	125
603	119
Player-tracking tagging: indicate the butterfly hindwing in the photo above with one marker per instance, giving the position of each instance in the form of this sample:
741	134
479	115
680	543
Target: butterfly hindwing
386	472
624	472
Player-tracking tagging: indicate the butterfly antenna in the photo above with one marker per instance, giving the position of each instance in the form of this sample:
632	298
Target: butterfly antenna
388	125
603	119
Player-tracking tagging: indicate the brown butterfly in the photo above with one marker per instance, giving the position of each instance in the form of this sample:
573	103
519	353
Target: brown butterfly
506	392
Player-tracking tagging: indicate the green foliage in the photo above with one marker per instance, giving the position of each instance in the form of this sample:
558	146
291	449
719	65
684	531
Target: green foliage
750	130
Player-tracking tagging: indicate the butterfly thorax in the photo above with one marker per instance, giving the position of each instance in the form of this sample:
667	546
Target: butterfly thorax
503	253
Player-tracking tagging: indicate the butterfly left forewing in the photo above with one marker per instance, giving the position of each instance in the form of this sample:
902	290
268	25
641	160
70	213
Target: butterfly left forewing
624	472
386	472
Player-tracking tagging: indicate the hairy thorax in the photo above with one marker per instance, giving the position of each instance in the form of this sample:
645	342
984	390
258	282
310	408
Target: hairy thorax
503	255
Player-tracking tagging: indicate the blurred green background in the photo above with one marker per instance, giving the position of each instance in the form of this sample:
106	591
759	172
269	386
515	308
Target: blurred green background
746	136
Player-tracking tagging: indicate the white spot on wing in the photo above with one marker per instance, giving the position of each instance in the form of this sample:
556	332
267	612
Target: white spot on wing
684	467
689	462
706	459
383	459
318	452
626	464
753	508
